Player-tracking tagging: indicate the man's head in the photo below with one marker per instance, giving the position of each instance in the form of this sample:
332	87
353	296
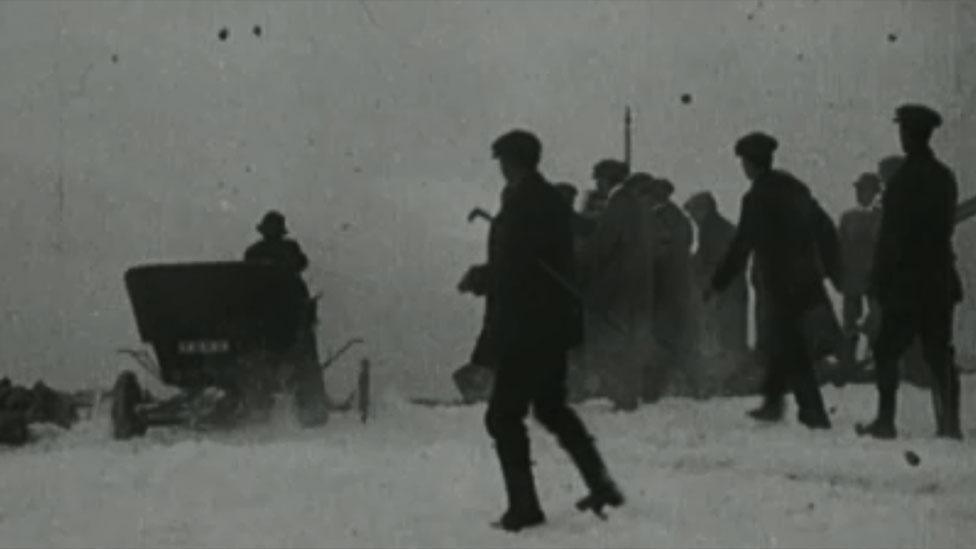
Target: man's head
888	166
867	187
272	225
661	190
518	153
916	124
755	151
701	205
568	192
609	173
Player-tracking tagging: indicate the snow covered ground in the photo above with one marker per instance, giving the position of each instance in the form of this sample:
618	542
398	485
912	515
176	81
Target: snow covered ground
697	475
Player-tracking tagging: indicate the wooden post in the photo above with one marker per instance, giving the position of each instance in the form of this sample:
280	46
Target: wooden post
627	136
364	389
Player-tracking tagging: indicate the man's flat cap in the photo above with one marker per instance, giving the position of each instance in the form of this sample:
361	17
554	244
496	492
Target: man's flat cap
888	166
868	181
756	144
663	186
519	145
916	116
611	169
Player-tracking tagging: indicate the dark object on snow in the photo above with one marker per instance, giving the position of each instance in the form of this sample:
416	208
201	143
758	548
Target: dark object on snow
39	404
912	458
240	330
13	428
474	382
51	406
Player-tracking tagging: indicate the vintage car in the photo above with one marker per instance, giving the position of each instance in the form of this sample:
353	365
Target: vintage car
230	336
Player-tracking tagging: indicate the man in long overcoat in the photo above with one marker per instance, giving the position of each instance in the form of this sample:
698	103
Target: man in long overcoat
673	284
794	245
535	322
915	278
618	282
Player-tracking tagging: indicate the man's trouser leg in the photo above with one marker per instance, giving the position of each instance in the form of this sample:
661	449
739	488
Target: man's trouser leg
791	353
505	421
898	328
551	410
733	320
776	372
936	336
853	308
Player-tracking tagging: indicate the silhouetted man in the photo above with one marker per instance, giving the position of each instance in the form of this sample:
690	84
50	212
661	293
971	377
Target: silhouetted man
793	243
608	174
536	322
274	247
674	236
858	233
729	319
618	276
914	276
582	226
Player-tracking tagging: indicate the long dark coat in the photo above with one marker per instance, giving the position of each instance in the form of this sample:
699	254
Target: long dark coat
530	250
618	277
794	242
914	260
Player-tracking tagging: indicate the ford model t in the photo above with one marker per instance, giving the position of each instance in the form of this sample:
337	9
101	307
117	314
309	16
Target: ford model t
230	336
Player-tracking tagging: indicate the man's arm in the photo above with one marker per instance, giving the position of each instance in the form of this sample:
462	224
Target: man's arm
743	243
829	245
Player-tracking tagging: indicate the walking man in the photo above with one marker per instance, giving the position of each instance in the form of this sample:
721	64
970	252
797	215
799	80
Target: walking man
536	321
794	246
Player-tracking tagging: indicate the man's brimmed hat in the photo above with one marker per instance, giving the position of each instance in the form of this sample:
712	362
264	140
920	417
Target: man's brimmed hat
756	145
663	186
918	117
611	170
272	223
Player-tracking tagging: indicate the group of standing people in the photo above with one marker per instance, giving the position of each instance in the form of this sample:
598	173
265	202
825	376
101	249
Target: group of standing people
615	284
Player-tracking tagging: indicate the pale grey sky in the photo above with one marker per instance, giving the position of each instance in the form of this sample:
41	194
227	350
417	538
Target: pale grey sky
369	126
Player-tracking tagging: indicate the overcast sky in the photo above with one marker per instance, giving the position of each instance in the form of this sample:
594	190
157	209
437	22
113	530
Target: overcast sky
133	133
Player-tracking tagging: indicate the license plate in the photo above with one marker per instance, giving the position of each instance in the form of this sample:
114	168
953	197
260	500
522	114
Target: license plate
203	347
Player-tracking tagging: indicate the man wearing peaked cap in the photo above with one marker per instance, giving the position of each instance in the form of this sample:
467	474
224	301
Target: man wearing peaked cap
918	117
793	243
914	276
757	146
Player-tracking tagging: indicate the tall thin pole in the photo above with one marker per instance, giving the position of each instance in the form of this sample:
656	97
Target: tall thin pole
627	141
